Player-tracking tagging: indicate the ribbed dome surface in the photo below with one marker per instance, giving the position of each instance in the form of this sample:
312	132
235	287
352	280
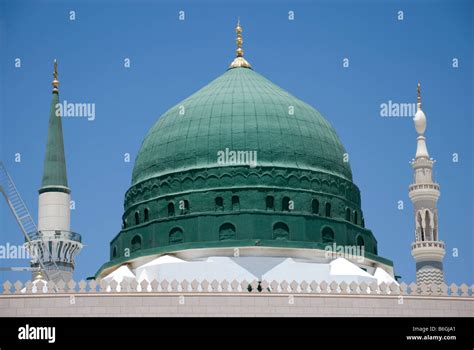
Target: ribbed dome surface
242	111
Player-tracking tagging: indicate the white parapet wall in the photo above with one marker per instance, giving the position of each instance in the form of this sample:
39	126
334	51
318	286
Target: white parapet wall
230	298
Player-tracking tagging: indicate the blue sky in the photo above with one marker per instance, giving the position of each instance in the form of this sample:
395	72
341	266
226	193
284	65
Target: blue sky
171	59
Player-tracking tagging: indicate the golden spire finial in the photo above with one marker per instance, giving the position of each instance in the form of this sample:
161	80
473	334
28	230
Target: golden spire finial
55	75
239	61
239	41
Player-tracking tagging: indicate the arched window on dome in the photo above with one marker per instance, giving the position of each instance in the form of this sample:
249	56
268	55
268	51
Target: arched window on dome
348	214
219	203
327	235
315	206
285	204
124	223
176	236
235	203
281	231
226	232
355	217
362	222
136	243
114	252
146	214
270	203
137	218
360	241
170	209
328	210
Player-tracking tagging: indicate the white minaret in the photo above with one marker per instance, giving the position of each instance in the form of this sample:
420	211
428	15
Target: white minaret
54	243
427	249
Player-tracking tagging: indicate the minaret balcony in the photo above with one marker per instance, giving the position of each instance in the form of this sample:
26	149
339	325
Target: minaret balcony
427	244
424	191
428	250
421	163
416	187
56	235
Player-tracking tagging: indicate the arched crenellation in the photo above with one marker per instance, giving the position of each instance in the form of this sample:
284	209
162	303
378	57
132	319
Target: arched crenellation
308	180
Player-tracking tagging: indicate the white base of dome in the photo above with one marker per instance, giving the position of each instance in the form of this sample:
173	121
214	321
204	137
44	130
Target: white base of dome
249	268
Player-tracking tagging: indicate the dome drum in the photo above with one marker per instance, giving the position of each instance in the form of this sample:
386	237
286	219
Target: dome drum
239	229
251	214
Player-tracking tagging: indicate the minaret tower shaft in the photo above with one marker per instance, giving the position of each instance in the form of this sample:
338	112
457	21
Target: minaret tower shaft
427	250
55	244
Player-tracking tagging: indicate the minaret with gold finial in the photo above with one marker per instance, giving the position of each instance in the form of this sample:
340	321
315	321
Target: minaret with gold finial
427	249
55	244
239	60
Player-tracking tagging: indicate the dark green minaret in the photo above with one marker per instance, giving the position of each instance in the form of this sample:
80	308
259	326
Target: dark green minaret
54	173
56	244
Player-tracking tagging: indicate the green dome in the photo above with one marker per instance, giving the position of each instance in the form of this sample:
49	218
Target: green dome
299	194
241	110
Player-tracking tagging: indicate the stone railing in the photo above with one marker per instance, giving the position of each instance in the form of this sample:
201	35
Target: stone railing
235	287
427	244
415	187
45	234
